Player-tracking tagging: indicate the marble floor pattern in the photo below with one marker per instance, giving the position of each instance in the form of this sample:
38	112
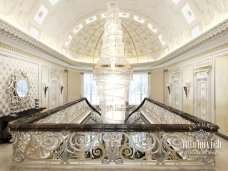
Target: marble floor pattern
6	160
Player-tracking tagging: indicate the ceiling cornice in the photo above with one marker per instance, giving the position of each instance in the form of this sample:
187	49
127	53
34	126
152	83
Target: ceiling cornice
18	39
219	31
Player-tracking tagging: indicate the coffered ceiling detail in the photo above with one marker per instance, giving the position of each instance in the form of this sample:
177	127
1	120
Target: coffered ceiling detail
152	28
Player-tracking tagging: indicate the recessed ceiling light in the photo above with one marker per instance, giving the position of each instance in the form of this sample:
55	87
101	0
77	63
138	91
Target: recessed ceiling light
175	1
124	15
188	14
161	40
91	19
53	2
78	28
195	31
33	32
138	19
68	40
41	14
151	27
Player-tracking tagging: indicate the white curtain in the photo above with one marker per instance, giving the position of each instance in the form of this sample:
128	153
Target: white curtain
90	89
138	88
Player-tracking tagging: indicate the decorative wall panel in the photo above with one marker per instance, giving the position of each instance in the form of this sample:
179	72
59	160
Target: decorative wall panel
176	91
202	94
8	65
54	90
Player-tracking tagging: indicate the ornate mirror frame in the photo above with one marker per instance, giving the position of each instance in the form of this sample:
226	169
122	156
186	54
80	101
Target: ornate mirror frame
18	91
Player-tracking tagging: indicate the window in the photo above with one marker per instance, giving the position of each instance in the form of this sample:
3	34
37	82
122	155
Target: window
176	1
195	31
78	28
33	32
68	40
138	89
161	40
91	19
188	14
90	89
41	14
138	19
151	27
53	2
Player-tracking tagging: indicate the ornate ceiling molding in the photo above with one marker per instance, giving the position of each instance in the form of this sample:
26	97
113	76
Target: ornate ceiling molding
209	42
212	34
17	41
8	31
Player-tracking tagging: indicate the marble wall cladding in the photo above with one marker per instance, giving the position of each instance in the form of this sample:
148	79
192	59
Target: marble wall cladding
8	65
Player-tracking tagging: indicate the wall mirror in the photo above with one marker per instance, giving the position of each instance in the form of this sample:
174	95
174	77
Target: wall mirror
18	90
22	88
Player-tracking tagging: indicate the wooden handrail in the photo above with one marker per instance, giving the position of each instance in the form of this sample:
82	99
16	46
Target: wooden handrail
57	109
196	123
51	127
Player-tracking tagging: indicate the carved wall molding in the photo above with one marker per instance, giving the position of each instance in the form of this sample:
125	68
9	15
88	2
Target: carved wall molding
12	52
176	92
18	91
216	32
12	32
202	95
223	47
8	65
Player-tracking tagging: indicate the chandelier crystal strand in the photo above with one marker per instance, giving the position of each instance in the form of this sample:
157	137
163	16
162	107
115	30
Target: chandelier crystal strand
113	72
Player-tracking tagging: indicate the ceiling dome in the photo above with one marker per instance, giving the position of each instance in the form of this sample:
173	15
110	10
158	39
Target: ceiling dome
152	28
141	44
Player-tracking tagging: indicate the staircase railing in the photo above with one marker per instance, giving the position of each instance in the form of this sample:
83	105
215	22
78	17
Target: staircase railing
41	141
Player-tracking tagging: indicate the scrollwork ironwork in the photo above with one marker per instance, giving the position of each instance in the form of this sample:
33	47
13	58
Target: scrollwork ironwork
110	147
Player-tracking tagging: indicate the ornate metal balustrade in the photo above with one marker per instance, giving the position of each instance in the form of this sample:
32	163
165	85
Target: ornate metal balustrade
181	141
158	113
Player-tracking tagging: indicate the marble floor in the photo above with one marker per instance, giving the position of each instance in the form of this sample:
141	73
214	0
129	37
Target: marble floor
6	159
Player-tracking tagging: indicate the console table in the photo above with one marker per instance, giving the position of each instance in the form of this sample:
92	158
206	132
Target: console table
5	135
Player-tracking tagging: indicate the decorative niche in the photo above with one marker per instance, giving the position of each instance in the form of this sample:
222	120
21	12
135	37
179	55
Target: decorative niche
19	91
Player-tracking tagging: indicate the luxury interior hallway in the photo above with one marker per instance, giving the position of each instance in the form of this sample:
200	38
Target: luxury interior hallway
6	160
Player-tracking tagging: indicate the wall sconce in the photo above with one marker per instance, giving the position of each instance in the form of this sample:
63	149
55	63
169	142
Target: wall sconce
61	89
186	87
45	90
169	87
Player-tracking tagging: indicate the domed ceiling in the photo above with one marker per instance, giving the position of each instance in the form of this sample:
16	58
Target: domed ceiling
151	28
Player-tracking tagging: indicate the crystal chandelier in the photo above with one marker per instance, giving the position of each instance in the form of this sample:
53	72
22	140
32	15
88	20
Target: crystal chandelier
112	72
